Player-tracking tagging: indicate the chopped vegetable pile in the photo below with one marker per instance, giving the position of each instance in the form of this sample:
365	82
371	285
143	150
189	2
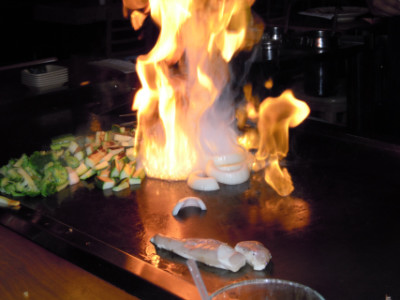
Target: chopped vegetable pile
107	156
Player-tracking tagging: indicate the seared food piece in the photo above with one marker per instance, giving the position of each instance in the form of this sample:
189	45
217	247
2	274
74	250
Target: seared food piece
208	251
4	201
256	254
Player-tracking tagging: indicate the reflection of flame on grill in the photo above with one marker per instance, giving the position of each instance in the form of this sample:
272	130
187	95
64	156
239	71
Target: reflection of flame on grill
186	113
289	213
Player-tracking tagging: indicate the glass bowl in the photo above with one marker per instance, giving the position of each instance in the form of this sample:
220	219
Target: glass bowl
266	289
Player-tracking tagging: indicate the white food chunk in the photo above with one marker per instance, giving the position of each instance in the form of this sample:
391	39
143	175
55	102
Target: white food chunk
256	254
208	251
187	202
198	180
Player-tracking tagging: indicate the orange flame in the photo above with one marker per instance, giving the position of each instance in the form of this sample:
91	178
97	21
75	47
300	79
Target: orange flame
276	116
185	105
269	83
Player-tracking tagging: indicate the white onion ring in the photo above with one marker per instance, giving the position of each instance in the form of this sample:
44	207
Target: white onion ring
188	201
233	177
199	181
229	159
229	168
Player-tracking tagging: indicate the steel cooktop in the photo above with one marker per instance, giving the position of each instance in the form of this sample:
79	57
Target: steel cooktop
336	233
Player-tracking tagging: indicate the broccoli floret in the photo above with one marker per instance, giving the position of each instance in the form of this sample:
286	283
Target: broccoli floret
56	154
11	189
11	163
4	169
4	180
39	160
13	175
71	161
41	173
55	172
47	188
23	188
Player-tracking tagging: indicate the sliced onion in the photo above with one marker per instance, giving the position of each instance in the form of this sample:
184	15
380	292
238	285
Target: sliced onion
229	159
199	181
187	202
229	168
228	177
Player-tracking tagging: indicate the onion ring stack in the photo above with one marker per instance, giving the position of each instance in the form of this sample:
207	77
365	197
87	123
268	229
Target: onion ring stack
228	169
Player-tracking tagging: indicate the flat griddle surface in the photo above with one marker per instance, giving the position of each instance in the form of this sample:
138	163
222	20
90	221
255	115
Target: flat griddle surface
337	232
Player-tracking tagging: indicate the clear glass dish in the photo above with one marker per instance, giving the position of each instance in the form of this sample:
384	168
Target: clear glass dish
267	289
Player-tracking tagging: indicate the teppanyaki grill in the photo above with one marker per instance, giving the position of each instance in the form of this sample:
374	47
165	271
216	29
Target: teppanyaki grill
335	233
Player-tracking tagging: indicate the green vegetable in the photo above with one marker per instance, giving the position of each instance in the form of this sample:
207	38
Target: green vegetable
89	173
21	161
104	183
72	161
38	174
134	180
27	186
139	173
127	171
73	147
13	175
11	190
101	166
117	128
124	184
81	169
80	155
55	172
48	188
57	154
39	160
94	158
116	167
4	181
62	141
108	154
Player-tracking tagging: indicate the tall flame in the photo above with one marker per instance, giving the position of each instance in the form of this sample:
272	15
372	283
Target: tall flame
185	105
276	116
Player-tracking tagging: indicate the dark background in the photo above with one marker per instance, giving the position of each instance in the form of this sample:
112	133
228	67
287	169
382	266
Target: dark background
27	35
80	31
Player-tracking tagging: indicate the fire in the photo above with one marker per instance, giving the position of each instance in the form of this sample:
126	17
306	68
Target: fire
186	111
269	83
271	137
185	105
276	116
